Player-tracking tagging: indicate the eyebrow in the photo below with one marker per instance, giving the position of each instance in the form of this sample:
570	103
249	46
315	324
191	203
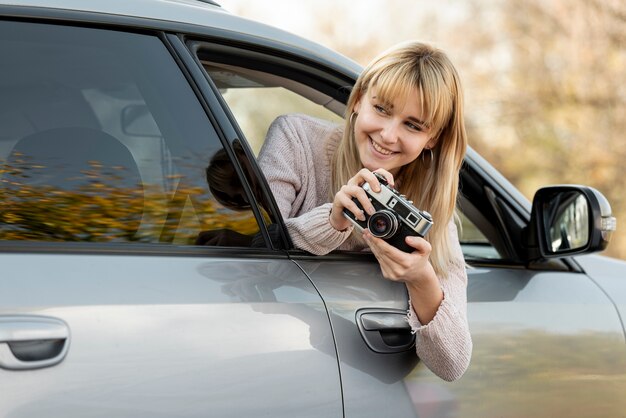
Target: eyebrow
411	118
418	121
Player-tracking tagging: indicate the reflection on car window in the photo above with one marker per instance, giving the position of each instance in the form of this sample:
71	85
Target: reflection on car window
103	140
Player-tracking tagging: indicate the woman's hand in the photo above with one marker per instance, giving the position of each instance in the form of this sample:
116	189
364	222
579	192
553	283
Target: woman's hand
353	189
414	269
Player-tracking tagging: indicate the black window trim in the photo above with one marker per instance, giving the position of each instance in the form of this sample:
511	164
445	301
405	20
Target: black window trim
222	122
276	62
135	249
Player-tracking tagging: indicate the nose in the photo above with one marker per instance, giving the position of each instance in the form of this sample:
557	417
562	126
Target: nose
390	133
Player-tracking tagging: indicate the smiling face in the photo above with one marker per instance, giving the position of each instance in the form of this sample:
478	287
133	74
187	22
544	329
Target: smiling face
389	135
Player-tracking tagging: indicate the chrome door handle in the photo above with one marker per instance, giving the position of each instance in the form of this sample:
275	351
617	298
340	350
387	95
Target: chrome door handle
32	342
385	330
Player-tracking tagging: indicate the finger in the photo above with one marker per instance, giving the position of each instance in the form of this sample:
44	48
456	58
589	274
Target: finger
389	267
344	200
360	194
378	253
348	193
371	179
386	174
360	177
385	250
396	262
420	244
365	176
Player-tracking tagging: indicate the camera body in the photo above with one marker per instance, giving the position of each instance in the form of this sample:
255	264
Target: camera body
395	217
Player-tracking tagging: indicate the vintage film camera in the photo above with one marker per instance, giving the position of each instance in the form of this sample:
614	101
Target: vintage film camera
395	217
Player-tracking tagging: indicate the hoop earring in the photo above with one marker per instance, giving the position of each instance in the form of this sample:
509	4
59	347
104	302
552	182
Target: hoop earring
353	116
428	163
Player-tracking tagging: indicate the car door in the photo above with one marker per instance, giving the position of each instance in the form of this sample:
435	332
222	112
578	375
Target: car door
139	276
545	335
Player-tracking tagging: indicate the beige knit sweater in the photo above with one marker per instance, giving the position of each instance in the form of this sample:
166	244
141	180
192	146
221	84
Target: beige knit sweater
295	159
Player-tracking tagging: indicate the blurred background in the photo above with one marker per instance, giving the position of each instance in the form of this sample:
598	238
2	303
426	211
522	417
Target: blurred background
544	79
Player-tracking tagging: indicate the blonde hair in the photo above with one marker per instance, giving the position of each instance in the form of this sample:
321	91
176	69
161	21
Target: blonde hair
432	185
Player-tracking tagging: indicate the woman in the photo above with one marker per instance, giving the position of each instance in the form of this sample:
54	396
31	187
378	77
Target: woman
404	120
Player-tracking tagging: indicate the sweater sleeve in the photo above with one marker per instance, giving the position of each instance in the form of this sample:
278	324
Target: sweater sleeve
445	343
286	159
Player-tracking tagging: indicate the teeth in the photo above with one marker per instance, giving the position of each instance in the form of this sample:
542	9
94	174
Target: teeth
381	149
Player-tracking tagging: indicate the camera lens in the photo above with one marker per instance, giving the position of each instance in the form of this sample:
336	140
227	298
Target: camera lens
383	224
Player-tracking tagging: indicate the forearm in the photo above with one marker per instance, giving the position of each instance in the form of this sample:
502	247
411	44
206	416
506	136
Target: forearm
312	231
426	295
444	344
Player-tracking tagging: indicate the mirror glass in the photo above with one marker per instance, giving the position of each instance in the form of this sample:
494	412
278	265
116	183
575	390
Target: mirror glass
567	224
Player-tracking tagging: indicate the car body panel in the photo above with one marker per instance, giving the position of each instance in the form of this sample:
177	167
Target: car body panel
538	337
545	344
172	336
610	275
373	383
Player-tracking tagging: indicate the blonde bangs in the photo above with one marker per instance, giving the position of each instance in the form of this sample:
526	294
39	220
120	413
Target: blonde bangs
394	83
438	102
403	81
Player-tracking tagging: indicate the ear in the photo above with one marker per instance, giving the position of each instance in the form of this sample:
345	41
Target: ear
431	143
358	103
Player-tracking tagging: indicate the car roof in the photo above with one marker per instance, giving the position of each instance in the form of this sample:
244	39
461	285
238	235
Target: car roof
191	16
184	11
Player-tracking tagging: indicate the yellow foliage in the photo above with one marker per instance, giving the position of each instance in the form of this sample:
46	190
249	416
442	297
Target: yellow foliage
100	211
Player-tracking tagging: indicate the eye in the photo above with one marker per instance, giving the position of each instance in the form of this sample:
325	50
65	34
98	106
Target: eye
381	109
414	127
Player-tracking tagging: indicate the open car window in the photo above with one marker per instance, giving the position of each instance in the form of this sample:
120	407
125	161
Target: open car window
256	98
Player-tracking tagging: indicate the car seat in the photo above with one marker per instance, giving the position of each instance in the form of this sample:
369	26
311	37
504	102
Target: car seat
81	163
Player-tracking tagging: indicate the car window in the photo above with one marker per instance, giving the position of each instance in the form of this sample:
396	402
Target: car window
103	140
256	98
474	243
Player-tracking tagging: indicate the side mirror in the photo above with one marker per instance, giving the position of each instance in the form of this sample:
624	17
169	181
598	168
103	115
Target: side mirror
570	219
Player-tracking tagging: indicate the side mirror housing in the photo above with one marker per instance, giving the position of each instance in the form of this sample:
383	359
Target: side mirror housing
568	220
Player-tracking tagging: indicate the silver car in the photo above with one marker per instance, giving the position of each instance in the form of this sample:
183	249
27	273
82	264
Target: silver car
146	271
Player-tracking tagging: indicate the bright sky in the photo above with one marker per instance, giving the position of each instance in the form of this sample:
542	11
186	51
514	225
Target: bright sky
361	21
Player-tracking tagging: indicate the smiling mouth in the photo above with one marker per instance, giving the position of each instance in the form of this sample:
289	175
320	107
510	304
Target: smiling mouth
380	149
